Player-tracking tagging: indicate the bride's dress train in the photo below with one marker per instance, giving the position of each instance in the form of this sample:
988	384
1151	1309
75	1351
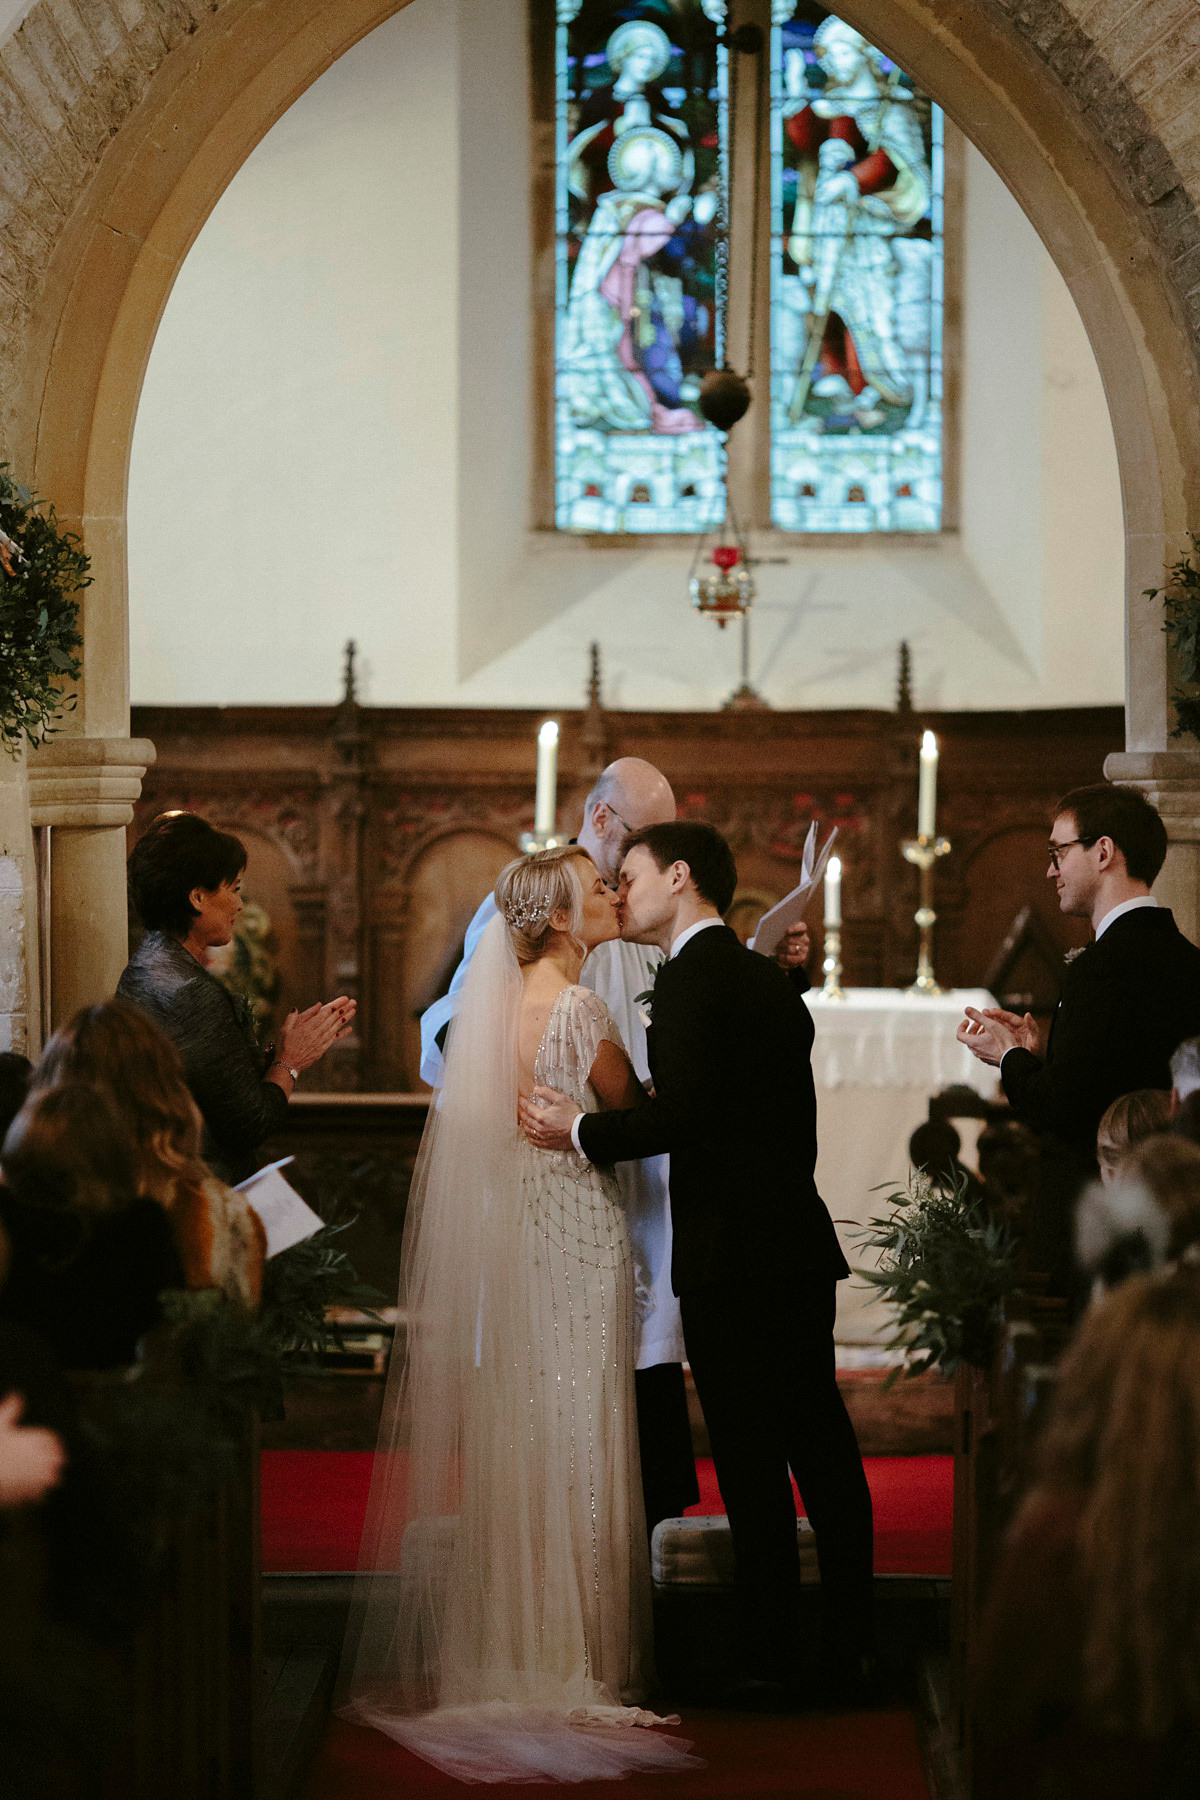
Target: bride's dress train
502	1624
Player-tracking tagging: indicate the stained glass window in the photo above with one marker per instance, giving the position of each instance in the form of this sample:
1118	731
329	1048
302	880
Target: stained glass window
640	122
856	284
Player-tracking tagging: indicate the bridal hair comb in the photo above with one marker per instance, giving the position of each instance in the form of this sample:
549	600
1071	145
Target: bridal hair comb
526	913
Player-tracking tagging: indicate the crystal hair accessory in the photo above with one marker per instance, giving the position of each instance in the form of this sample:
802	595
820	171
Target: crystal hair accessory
527	913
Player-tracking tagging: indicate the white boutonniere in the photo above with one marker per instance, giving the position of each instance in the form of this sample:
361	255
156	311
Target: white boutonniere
644	1001
1069	956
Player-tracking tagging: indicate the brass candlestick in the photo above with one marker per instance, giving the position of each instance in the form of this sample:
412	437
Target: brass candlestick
924	852
530	841
832	987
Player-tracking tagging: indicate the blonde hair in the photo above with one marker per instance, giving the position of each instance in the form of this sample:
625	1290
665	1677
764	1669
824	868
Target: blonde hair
1128	1120
1124	1437
118	1048
532	889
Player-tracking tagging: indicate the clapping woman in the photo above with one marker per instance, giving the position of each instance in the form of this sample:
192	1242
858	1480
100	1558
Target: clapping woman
185	878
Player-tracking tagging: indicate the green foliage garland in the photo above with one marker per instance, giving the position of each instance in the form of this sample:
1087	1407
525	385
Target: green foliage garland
946	1265
39	619
1181	604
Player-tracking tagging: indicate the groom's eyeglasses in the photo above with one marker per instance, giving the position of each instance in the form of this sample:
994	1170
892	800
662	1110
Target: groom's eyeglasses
1057	851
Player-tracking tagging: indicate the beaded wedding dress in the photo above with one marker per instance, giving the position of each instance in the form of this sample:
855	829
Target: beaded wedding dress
501	1625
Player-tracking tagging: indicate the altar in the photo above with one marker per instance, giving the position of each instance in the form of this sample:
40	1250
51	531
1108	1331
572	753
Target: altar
879	1056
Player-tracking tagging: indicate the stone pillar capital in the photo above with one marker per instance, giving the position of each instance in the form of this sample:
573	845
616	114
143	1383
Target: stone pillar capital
86	782
1170	780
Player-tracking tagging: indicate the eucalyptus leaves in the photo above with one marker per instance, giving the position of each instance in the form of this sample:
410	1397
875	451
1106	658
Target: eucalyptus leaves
41	569
946	1265
1181	604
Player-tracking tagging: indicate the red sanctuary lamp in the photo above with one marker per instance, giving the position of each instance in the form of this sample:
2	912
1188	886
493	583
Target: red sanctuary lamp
726	590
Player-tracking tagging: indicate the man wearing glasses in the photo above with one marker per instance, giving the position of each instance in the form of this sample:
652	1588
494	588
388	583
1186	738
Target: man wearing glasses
1127	1000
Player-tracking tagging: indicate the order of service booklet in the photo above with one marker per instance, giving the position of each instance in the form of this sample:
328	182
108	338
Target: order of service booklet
287	1218
792	908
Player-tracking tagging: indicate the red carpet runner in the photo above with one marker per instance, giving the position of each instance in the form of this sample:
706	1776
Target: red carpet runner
313	1502
859	1756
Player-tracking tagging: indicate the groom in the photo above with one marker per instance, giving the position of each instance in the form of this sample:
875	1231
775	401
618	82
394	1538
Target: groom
756	1259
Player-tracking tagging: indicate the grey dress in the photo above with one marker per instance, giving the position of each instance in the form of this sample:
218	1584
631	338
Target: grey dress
224	1069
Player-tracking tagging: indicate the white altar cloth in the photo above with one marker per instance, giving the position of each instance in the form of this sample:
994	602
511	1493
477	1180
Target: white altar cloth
878	1057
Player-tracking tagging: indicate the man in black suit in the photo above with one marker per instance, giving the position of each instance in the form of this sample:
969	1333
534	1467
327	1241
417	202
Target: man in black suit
1128	999
756	1258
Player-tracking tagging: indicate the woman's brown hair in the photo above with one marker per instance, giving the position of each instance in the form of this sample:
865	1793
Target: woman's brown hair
117	1048
68	1148
1123	1438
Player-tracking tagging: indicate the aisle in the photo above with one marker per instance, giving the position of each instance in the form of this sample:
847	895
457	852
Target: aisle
822	1756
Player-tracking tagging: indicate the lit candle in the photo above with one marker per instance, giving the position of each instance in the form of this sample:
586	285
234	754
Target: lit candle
547	773
833	891
927	792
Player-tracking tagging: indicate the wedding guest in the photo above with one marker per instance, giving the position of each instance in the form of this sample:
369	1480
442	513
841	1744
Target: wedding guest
1127	1001
1148	1215
185	880
89	1253
117	1048
1128	1121
1088	1678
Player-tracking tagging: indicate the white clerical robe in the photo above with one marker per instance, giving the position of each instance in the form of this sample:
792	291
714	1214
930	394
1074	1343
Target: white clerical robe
616	972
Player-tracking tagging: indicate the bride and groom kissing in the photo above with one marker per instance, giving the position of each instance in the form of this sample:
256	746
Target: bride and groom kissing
514	1618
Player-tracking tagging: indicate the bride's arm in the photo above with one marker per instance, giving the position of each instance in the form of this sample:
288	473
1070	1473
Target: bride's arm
613	1079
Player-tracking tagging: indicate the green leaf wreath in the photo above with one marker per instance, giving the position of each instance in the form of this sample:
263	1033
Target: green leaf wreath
1181	605
41	569
946	1265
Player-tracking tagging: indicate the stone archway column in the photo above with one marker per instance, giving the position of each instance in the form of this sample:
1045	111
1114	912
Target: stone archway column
1166	770
1170	780
83	790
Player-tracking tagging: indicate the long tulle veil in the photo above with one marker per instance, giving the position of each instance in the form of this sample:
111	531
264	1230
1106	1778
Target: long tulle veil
460	1312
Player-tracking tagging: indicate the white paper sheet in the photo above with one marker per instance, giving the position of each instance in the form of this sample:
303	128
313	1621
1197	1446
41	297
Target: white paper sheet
287	1219
792	908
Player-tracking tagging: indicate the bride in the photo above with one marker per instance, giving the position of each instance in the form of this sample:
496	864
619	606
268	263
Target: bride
501	1624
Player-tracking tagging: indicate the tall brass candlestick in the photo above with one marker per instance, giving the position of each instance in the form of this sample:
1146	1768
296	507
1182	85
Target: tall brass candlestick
924	852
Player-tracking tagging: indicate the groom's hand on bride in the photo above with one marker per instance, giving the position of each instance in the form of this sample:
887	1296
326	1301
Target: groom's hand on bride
546	1119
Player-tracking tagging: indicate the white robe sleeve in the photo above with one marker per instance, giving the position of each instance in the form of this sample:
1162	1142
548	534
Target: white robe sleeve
433	1069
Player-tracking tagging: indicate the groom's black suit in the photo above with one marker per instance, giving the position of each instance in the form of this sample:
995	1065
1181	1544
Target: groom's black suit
755	1264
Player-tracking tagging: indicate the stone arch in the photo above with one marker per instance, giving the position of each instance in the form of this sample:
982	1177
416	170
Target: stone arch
120	125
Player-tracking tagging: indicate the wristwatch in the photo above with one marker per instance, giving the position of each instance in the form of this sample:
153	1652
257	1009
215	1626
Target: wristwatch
280	1064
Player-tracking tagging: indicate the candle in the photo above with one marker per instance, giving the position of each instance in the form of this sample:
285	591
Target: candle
547	772
927	792
833	892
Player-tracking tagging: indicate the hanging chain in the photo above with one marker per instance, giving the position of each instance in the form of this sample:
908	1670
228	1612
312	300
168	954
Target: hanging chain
745	41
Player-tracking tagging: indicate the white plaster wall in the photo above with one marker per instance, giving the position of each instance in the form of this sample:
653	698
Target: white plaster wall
335	440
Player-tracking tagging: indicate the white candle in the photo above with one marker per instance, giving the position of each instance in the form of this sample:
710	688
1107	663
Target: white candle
547	779
833	891
927	792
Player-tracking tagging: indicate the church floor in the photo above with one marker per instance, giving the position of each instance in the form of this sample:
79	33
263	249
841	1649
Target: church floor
818	1756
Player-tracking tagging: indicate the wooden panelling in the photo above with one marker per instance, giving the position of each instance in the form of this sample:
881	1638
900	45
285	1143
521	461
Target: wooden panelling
374	833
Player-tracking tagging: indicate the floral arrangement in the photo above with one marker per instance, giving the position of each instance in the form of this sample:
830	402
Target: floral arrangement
41	569
946	1266
1181	604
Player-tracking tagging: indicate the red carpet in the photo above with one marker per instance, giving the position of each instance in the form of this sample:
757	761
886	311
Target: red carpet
863	1756
313	1502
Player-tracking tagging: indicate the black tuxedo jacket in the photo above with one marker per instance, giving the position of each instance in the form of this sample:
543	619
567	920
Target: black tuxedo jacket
1127	1002
729	1046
